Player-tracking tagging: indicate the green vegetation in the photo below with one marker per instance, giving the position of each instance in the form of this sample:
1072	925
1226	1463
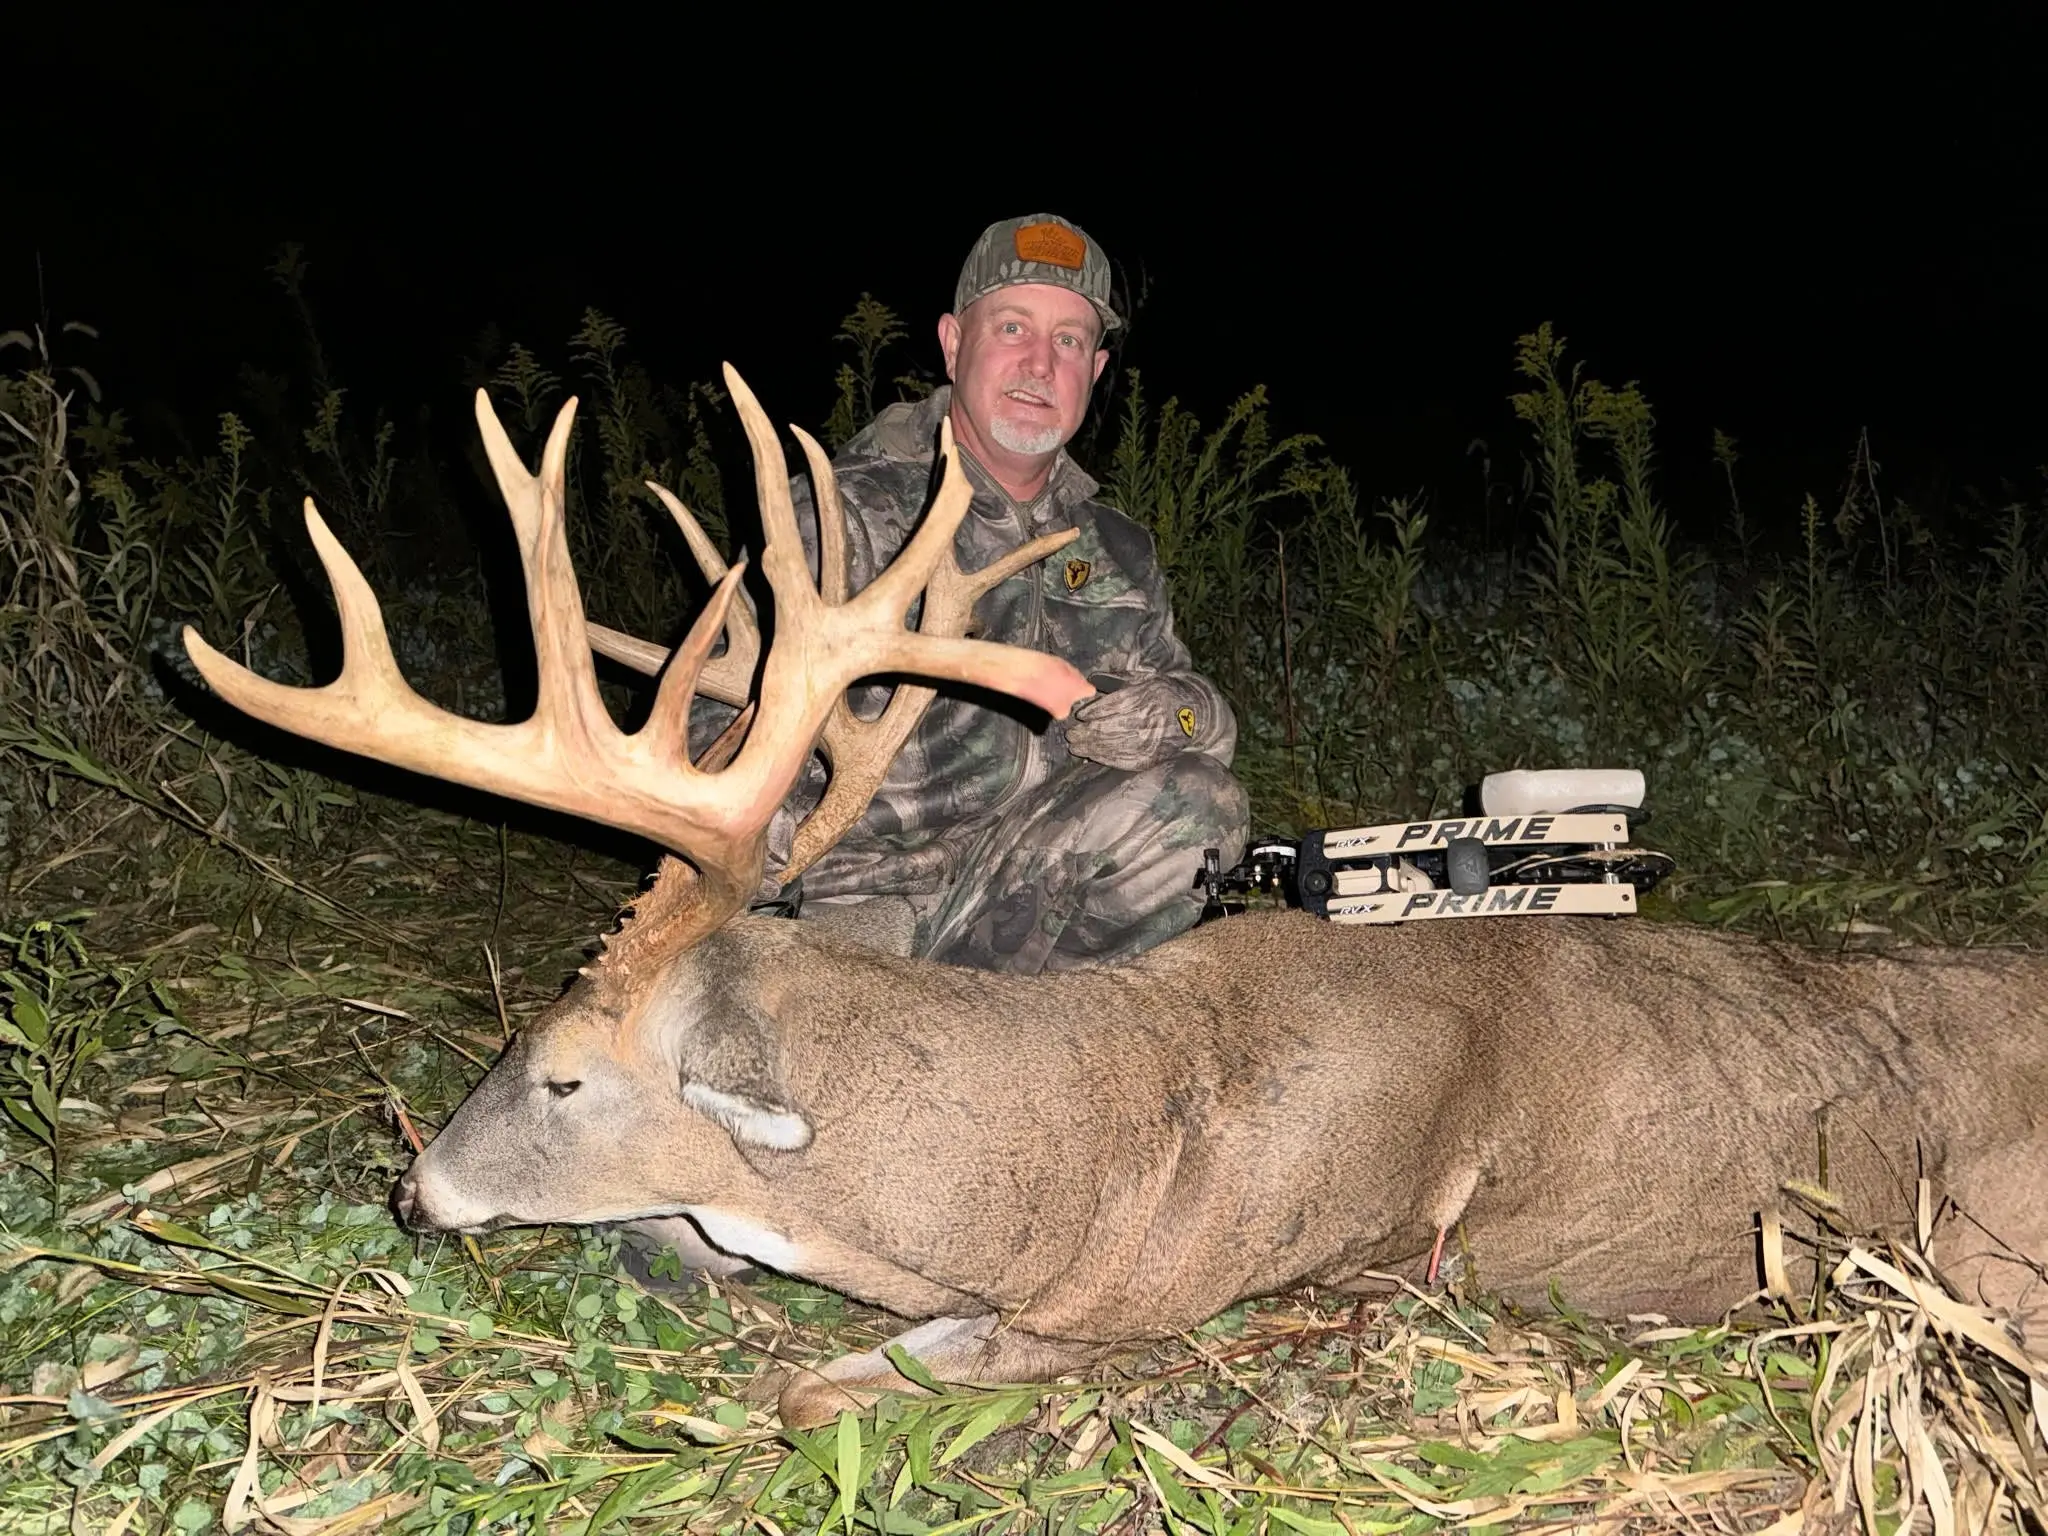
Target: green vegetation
241	979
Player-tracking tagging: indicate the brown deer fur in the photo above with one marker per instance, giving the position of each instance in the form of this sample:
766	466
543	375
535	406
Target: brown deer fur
1057	1167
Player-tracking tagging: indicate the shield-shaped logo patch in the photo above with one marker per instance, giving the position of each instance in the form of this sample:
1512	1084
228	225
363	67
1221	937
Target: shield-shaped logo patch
1077	574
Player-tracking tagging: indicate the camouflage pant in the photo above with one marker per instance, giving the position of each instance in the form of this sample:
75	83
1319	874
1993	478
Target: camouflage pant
1094	866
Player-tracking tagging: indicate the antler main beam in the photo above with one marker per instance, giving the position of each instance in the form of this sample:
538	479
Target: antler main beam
569	755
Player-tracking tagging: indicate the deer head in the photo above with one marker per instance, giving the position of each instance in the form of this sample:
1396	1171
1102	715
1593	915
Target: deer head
641	1046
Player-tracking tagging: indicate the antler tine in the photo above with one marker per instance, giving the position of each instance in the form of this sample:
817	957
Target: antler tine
367	663
566	677
932	543
728	678
668	719
836	812
833	576
370	704
832	573
782	551
646	657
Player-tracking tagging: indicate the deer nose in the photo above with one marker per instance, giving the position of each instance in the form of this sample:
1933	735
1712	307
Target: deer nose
406	1198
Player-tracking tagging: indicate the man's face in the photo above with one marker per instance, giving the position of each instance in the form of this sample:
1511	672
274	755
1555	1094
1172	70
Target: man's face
1023	361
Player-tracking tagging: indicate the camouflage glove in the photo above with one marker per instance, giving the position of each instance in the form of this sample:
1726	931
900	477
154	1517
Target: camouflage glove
1134	728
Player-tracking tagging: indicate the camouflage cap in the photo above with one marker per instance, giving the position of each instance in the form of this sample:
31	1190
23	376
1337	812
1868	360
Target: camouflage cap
1040	248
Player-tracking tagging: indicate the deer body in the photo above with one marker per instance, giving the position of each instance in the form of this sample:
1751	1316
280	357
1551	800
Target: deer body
1105	1157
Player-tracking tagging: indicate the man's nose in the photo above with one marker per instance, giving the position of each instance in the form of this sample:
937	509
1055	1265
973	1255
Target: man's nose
1038	356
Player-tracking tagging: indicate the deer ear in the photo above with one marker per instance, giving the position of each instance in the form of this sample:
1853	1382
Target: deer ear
729	1061
753	1122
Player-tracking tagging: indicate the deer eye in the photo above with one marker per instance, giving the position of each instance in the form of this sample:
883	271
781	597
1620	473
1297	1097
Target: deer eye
563	1090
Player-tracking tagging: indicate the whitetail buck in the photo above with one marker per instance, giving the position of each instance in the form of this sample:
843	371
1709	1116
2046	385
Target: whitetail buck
1052	1168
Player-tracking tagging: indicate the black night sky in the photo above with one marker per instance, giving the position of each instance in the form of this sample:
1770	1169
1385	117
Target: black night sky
1789	241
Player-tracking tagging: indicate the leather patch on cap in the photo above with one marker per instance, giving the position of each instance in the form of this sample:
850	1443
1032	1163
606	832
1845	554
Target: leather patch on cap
1054	244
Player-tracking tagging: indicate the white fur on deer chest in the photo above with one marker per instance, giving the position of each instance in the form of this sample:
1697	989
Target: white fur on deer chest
748	1238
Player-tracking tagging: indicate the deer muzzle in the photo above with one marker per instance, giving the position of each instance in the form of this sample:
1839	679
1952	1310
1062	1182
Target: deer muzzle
425	1204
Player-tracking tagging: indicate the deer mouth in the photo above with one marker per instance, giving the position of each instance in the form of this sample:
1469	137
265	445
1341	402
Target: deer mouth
416	1212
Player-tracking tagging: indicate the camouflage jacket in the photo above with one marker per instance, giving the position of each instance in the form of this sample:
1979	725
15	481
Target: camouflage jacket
1101	603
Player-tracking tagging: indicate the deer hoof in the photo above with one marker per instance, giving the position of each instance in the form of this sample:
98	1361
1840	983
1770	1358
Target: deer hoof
810	1400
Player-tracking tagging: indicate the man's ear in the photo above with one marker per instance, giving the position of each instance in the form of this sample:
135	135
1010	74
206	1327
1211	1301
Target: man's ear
949	341
1101	361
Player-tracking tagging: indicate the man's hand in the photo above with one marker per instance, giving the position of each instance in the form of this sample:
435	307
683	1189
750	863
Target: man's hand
1137	727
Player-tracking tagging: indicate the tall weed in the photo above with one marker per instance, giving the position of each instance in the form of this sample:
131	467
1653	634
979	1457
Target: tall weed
1621	609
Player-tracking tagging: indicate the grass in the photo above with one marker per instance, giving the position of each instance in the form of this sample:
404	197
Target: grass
243	982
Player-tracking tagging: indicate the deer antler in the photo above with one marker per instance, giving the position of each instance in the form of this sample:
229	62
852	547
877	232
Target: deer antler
569	755
858	751
728	678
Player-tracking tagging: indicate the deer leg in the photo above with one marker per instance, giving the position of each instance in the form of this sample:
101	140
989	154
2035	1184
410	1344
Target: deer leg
646	1241
953	1349
2003	1264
